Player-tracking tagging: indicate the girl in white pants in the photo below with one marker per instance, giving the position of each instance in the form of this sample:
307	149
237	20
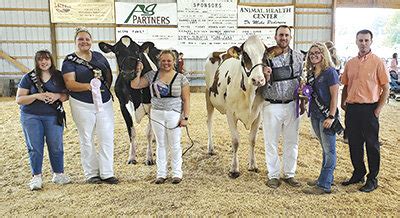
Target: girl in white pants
167	134
170	110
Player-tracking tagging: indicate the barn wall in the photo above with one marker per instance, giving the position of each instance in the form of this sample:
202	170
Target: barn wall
24	29
27	29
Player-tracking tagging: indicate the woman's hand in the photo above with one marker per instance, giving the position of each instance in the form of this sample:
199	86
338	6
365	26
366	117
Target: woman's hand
139	67
328	123
183	123
51	97
41	97
267	73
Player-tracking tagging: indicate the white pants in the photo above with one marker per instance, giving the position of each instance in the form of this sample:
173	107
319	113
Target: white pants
279	118
89	122
167	139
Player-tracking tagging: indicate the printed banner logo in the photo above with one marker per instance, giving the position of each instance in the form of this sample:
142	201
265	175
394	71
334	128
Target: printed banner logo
145	10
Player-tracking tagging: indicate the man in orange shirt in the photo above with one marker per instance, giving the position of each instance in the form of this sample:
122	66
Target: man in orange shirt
366	88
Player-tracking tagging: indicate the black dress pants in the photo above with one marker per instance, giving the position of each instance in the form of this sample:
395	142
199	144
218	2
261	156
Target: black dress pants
362	127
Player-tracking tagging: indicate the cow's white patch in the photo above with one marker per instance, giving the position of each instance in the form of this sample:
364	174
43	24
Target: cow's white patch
126	41
152	65
140	112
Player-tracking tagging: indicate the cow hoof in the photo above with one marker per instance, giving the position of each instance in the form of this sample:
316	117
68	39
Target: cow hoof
234	175
254	170
149	162
132	162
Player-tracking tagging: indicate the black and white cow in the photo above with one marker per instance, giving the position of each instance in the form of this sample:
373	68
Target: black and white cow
133	102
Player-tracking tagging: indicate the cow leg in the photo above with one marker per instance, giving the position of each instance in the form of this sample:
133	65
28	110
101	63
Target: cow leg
132	148
149	152
232	122
210	112
131	132
252	137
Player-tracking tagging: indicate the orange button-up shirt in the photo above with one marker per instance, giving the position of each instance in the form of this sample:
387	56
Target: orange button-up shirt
364	77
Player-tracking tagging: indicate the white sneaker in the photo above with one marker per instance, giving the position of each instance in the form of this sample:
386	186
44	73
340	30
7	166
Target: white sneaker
36	183
61	179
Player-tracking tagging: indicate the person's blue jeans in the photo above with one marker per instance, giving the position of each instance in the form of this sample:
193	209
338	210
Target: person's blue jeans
37	129
327	140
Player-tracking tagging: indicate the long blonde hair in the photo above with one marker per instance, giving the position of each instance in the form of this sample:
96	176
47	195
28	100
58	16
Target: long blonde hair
332	51
326	58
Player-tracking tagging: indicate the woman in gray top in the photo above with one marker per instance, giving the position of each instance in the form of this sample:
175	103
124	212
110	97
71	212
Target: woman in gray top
170	110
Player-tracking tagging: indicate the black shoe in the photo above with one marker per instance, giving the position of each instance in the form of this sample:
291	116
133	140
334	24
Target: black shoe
94	180
353	181
160	180
111	180
273	183
176	180
369	186
292	182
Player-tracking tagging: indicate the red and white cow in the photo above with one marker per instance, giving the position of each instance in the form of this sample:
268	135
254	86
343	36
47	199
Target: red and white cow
231	88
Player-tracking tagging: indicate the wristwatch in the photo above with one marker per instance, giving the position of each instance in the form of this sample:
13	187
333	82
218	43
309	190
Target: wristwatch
331	116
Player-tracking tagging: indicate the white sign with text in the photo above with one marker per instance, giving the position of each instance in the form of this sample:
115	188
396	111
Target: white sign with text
146	14
163	38
252	16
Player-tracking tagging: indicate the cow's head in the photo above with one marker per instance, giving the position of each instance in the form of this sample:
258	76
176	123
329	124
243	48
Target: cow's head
253	54
129	53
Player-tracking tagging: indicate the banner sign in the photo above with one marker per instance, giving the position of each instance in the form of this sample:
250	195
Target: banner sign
82	11
205	23
249	16
204	26
146	14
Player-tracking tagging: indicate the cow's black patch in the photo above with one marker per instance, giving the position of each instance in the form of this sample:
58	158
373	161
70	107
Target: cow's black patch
128	53
214	87
242	86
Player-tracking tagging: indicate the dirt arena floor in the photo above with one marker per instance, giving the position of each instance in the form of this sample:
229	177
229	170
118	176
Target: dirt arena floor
206	188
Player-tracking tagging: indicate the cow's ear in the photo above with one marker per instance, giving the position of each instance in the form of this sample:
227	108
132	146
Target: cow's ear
237	49
105	47
241	47
146	46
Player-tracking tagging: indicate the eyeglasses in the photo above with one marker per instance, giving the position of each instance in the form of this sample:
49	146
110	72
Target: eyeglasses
315	53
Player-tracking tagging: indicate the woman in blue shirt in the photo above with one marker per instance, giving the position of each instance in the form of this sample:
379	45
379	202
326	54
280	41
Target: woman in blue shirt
91	115
39	117
324	79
